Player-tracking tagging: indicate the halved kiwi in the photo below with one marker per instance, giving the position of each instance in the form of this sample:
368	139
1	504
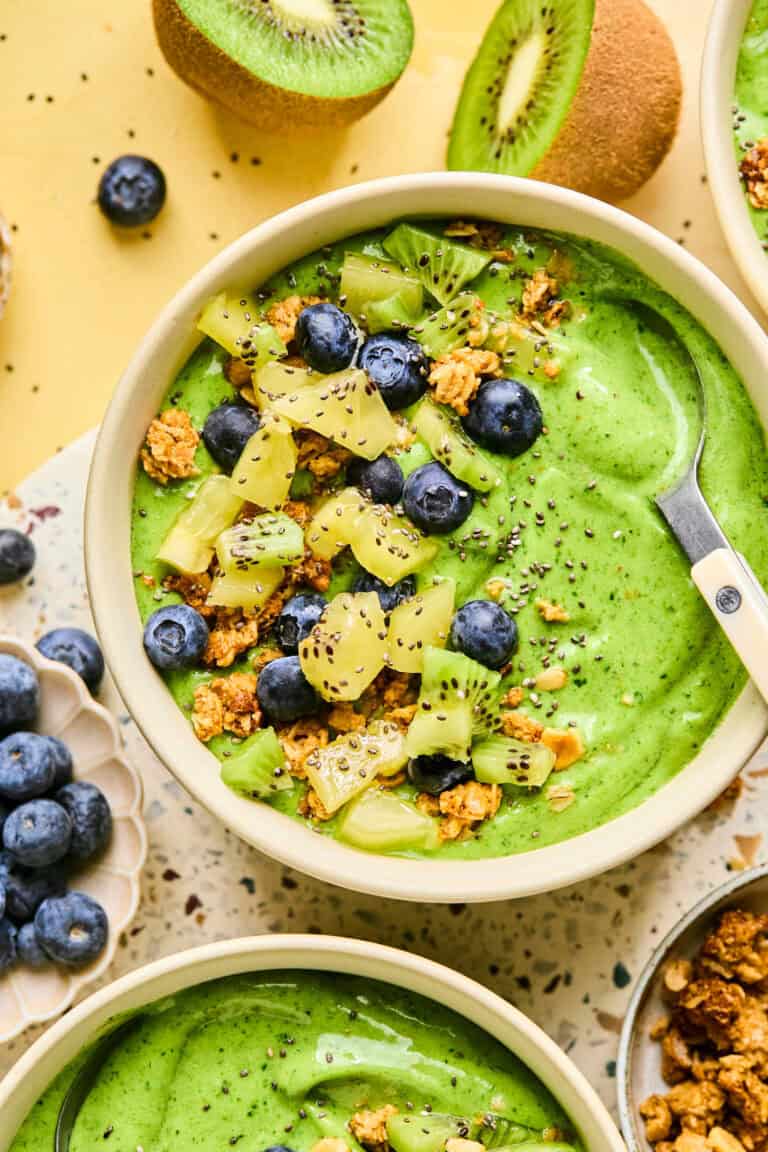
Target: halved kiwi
583	93
286	63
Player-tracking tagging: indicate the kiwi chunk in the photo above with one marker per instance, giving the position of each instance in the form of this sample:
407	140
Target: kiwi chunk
424	1132
449	328
257	769
345	650
419	623
450	445
456	702
264	472
494	1131
504	760
244	589
285	63
233	322
519	88
442	265
263	542
189	545
352	762
392	314
367	279
381	822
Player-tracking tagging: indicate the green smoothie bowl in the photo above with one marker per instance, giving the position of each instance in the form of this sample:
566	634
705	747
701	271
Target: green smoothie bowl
734	121
372	548
314	1043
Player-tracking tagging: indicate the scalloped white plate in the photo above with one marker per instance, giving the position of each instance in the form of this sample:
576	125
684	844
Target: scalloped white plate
68	711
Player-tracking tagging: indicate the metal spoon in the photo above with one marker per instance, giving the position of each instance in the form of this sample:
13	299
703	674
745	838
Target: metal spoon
83	1082
722	575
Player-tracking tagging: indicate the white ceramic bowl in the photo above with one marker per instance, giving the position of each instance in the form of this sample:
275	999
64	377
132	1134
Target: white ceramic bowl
35	1070
718	75
67	710
638	1070
248	262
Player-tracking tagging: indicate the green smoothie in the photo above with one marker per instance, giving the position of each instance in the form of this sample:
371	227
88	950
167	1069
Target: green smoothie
750	109
290	1058
649	673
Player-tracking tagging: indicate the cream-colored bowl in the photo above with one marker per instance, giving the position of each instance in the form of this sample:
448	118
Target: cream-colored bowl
248	262
718	75
67	710
45	1059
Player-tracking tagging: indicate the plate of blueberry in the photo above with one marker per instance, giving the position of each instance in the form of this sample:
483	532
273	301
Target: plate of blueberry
73	841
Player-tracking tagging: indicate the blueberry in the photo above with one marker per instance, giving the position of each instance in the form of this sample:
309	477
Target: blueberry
62	761
397	366
27	766
284	692
326	337
389	597
38	833
381	479
25	888
435	500
483	631
227	431
19	694
131	191
77	649
7	945
28	948
297	619
436	774
90	816
17	555
175	637
72	929
505	416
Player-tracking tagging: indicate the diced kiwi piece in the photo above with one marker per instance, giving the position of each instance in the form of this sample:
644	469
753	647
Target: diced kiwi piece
235	323
379	821
504	760
494	1131
264	472
264	541
352	762
344	652
450	445
244	589
423	1132
332	526
257	769
456	702
276	379
188	547
419	623
345	407
283	64
388	545
443	266
526	351
391	315
368	279
449	328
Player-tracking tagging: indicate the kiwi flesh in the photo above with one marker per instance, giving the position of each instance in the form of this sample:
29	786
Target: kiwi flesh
281	64
443	266
582	93
457	702
448	328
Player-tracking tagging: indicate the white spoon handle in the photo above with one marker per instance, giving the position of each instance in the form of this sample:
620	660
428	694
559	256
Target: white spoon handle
740	607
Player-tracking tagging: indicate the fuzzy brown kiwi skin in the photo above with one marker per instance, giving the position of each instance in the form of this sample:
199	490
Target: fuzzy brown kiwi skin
211	72
624	116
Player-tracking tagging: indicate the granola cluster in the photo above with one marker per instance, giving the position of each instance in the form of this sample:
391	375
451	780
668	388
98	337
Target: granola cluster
714	1045
540	300
457	376
284	314
754	173
169	450
461	809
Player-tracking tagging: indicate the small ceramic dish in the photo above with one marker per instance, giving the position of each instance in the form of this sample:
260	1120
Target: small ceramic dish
638	1069
90	732
718	76
61	1043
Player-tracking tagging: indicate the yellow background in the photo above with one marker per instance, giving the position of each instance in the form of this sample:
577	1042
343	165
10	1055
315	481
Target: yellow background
83	81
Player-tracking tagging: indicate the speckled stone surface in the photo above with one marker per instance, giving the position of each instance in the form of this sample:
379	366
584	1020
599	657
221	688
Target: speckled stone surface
567	959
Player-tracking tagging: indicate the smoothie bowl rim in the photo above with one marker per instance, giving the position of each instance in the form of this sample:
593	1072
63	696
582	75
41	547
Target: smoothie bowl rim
717	80
166	347
469	999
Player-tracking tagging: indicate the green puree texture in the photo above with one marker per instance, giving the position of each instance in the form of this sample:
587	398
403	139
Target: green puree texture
196	1072
650	674
751	95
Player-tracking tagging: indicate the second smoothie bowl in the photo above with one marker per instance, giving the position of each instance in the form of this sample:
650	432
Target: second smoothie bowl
375	497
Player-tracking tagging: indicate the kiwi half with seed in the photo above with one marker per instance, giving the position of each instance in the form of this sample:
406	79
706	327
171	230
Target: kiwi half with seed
582	93
286	63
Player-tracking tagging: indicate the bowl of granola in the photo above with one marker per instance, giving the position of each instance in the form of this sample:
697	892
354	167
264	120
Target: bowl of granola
372	549
734	82
691	1072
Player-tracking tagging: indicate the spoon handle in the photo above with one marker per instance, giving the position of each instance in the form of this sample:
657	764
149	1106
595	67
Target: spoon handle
740	607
